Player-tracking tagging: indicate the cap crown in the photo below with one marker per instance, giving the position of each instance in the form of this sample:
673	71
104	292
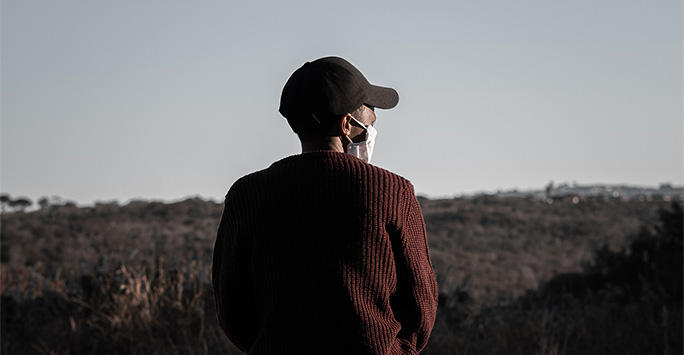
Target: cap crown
329	87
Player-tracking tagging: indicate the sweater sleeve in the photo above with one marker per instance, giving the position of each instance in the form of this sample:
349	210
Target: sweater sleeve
414	303
231	280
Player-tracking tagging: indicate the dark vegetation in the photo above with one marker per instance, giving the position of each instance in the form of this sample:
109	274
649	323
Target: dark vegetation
517	276
622	302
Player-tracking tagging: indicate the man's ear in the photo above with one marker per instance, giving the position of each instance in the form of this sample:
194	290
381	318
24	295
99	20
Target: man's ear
345	124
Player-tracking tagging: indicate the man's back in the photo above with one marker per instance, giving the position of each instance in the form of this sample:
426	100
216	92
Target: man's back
324	253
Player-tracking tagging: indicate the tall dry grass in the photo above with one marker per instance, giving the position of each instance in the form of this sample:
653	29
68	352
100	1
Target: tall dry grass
160	310
170	311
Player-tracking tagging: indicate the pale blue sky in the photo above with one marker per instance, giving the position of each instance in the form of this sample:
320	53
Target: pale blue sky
107	100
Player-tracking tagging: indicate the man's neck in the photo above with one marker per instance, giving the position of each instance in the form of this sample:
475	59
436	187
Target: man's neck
328	143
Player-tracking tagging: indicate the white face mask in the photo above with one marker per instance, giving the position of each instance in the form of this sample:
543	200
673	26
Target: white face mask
363	150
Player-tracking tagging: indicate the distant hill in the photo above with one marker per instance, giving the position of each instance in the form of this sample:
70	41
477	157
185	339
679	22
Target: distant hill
665	192
576	275
495	246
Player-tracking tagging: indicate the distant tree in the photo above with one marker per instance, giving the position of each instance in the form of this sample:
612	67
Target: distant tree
56	200
5	199
44	203
22	203
549	189
665	186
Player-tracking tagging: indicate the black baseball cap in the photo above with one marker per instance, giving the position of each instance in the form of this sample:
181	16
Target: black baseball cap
326	88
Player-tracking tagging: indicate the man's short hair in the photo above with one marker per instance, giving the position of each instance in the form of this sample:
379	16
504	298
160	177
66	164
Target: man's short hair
328	126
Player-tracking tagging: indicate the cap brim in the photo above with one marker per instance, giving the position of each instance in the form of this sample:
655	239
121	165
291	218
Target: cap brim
382	97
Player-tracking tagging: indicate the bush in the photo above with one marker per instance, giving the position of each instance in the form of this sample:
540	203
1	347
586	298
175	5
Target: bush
627	302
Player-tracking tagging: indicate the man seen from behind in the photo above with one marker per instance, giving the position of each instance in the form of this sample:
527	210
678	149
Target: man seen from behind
323	252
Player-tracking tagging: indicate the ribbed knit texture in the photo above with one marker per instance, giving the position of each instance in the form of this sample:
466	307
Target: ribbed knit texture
322	253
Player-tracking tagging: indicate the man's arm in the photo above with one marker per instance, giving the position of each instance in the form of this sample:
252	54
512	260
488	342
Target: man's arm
231	279
415	302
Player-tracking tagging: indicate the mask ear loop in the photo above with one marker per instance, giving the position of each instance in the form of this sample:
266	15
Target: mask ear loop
362	125
359	122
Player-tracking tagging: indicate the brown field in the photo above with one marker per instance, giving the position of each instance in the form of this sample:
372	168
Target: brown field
512	273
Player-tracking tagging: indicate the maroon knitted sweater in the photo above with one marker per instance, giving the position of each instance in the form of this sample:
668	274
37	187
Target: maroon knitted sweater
322	253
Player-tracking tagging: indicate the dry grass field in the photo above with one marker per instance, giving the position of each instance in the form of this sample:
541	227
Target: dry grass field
517	276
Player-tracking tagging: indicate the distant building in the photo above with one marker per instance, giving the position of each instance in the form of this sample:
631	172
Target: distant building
576	192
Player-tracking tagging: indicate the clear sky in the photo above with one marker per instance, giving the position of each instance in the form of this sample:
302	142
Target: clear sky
106	100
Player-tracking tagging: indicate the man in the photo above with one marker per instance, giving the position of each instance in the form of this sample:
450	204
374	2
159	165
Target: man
322	252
